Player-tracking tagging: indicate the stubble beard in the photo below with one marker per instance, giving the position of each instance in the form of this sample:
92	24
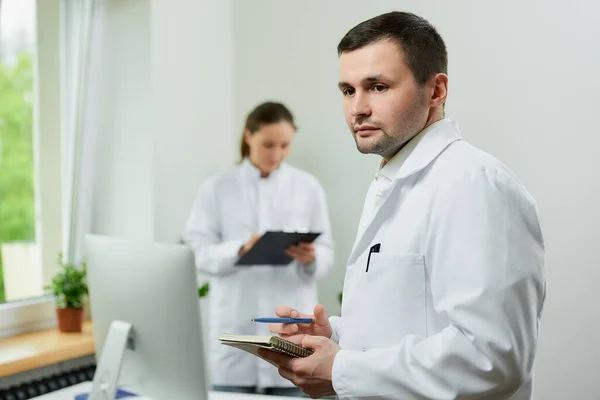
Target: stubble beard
387	145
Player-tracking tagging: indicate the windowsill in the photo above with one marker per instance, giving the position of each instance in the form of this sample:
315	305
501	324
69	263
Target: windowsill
33	350
26	316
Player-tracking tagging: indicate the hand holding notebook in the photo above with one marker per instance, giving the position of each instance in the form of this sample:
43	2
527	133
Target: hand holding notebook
317	325
313	374
251	344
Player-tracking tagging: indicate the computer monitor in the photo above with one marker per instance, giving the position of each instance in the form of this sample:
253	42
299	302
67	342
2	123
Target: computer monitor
146	291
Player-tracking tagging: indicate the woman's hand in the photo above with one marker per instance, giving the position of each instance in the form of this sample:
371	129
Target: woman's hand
304	253
248	245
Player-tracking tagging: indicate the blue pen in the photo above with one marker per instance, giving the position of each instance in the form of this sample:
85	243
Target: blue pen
284	320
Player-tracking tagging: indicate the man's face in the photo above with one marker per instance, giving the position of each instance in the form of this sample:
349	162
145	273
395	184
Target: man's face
383	105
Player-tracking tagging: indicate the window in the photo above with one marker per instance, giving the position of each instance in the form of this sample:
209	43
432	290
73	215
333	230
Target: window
30	185
18	248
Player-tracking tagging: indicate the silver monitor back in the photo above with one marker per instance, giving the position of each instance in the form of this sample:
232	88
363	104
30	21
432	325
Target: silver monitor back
153	287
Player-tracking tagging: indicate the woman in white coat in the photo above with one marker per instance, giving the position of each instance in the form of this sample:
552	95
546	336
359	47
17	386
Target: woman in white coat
231	211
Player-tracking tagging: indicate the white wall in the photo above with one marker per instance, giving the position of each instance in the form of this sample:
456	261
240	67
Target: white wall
523	86
124	190
192	64
166	113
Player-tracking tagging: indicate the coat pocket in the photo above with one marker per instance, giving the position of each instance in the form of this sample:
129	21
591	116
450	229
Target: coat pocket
396	297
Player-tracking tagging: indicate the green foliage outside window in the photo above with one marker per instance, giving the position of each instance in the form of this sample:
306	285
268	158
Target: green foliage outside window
17	220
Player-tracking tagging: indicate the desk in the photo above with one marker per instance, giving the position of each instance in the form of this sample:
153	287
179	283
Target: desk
42	348
70	392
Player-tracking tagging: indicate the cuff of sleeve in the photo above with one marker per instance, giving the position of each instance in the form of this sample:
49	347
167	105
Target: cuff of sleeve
339	377
229	255
334	322
310	269
233	248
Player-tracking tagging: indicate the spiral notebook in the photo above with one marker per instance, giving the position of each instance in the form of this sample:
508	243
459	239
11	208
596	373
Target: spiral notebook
251	344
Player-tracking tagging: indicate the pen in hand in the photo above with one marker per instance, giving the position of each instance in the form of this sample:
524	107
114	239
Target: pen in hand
284	320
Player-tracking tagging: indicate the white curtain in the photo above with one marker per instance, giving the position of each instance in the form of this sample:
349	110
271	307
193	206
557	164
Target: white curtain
83	30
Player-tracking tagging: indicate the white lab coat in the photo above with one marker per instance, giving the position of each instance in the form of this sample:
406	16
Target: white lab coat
229	208
450	305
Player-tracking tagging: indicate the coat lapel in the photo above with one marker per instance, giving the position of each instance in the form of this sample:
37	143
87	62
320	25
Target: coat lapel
432	142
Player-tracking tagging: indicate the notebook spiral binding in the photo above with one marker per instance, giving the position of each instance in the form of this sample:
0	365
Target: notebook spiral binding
291	349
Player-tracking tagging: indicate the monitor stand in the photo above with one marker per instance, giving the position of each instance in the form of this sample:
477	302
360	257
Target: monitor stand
118	339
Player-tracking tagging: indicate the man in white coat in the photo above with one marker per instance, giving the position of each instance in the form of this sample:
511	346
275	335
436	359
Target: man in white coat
445	284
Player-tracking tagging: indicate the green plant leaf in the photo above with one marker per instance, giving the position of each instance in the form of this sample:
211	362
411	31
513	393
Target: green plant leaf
203	290
69	285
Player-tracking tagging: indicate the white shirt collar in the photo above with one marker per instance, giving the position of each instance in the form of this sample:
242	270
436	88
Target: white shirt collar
390	171
392	167
250	171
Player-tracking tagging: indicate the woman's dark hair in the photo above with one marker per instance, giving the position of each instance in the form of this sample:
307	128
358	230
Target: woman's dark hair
264	114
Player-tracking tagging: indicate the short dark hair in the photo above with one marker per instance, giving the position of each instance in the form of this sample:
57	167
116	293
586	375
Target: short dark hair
263	114
422	46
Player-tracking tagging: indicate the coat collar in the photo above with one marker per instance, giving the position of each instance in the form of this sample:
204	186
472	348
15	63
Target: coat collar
424	148
252	173
421	151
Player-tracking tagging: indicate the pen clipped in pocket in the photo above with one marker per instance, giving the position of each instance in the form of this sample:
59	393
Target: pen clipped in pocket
374	249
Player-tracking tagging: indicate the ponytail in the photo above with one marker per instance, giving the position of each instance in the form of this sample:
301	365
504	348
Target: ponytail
244	148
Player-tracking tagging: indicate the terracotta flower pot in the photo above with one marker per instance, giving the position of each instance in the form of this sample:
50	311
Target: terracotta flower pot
69	319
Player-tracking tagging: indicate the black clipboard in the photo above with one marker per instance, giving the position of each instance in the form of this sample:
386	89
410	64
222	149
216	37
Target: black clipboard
270	248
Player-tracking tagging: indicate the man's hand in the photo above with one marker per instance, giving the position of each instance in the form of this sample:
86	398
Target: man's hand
311	374
296	332
248	245
304	253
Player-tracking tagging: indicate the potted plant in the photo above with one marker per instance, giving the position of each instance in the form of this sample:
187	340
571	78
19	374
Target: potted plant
69	287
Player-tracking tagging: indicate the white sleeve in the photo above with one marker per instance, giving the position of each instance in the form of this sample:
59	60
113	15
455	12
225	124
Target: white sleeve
202	233
485	260
324	248
335	323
